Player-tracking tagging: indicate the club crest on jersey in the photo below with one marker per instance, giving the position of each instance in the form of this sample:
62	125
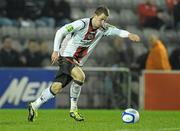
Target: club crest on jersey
90	36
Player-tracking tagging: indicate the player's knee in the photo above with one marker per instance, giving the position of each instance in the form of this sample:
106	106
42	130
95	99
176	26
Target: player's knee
56	87
80	79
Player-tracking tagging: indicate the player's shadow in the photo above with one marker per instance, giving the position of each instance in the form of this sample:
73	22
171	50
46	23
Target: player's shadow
8	123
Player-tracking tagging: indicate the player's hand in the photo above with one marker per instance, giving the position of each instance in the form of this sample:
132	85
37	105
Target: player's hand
134	37
54	57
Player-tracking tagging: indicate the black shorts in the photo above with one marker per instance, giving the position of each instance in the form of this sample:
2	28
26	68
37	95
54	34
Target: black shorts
63	75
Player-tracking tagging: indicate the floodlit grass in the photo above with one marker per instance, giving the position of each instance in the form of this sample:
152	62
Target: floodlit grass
95	120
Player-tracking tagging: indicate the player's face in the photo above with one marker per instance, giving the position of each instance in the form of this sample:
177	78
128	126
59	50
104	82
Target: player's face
100	20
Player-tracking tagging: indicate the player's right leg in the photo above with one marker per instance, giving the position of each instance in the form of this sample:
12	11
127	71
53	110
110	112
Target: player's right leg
75	90
47	94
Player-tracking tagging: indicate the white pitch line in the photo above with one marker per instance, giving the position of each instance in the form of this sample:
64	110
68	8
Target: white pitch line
170	129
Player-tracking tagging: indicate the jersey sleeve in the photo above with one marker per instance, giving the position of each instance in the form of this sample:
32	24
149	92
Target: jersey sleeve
65	30
113	31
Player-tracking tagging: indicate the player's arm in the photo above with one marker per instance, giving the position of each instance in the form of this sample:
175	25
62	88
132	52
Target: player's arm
61	33
113	31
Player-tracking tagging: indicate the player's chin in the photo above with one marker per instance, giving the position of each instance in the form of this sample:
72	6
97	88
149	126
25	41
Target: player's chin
101	26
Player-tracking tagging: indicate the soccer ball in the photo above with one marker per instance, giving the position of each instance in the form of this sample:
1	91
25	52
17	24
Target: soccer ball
130	116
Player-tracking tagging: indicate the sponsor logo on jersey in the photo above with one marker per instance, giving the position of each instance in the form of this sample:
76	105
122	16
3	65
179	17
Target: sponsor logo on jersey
69	28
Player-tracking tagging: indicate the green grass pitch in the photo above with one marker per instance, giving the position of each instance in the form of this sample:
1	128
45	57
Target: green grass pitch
95	120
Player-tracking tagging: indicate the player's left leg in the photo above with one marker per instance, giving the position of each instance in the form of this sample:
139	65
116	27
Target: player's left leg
47	94
75	90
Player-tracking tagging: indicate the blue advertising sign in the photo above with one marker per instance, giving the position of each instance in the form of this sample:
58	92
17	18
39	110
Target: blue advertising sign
18	86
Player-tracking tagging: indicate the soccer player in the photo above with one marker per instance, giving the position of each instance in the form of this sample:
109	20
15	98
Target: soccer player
73	43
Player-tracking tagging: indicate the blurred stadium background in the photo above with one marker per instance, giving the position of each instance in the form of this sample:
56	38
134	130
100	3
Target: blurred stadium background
114	73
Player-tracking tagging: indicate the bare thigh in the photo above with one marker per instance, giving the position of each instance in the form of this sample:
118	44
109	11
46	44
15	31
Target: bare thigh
78	74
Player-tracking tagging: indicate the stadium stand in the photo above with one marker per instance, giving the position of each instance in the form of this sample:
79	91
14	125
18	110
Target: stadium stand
123	15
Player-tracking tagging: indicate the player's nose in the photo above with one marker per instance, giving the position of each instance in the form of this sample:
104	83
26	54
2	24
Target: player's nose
102	23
